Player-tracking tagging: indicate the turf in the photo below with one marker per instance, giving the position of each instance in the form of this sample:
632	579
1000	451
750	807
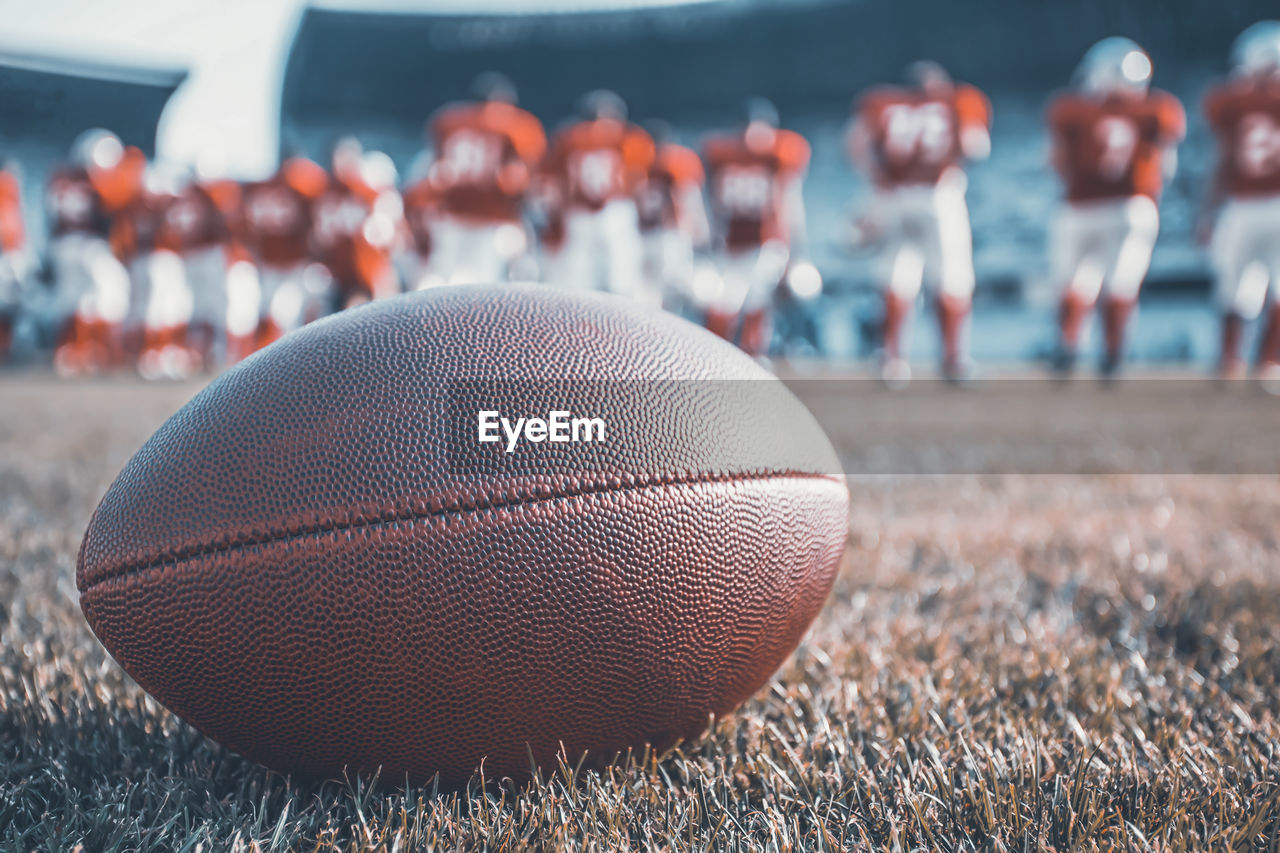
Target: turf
1007	662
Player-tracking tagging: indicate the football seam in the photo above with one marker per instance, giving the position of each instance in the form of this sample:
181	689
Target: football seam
480	505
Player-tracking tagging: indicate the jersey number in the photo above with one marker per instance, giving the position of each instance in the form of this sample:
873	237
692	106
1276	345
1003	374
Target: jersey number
923	131
1117	139
273	212
596	173
745	190
472	157
339	218
1259	153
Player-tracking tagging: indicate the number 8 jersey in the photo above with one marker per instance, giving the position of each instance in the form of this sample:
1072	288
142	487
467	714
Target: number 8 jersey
1114	146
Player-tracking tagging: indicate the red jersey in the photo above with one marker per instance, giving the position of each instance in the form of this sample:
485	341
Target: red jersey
1114	147
353	233
276	214
84	200
596	162
193	220
1245	117
134	229
12	231
674	171
749	180
485	154
916	136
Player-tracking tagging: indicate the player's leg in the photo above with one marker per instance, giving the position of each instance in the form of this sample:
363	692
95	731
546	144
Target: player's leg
724	306
439	267
572	265
1241	291
110	304
949	257
757	308
244	309
10	301
508	251
1127	271
169	313
1268	358
206	271
1074	263
653	265
623	251
73	286
902	275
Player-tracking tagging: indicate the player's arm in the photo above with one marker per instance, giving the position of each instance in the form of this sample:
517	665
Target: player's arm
975	123
1173	121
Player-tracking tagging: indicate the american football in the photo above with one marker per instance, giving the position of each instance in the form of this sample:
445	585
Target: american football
664	425
325	569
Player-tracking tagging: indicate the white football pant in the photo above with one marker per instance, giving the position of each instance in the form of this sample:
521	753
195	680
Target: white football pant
927	239
91	281
748	278
466	252
1104	245
1246	254
601	251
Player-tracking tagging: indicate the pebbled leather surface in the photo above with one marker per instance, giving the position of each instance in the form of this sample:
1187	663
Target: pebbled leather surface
316	564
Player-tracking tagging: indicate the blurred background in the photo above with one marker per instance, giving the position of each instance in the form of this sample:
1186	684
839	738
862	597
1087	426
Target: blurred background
237	82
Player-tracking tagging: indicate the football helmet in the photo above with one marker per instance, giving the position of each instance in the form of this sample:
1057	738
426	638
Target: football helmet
1256	51
761	111
762	123
931	77
1114	66
347	157
98	149
603	104
495	88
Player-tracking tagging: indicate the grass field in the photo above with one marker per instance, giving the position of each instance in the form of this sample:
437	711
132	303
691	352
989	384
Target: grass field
1010	661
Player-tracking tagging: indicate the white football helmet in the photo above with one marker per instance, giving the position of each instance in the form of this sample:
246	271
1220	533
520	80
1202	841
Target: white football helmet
98	149
1256	51
1114	66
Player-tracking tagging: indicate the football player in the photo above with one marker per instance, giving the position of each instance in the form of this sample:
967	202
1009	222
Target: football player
160	304
673	216
1244	113
197	225
1114	144
421	209
357	224
595	167
15	257
912	142
755	177
486	154
103	178
276	219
